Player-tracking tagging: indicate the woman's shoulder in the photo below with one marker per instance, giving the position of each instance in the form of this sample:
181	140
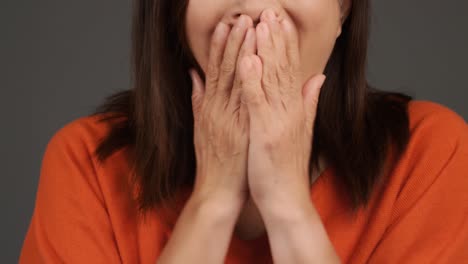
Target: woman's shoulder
82	202
71	153
70	157
425	199
435	159
436	129
83	135
436	132
88	130
436	120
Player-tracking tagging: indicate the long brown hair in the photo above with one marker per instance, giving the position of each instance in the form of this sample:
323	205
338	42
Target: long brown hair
359	130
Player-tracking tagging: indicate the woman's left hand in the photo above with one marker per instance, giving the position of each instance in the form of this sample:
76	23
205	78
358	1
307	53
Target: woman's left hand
282	114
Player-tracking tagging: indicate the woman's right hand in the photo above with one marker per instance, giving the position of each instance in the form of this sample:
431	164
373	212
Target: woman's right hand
221	121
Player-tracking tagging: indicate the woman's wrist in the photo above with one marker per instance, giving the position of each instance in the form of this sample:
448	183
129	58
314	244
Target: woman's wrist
285	206
218	206
202	219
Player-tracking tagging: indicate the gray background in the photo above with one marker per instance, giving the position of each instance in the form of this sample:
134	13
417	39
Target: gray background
59	59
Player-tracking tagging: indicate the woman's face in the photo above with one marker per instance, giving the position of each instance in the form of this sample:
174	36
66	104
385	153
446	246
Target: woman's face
317	22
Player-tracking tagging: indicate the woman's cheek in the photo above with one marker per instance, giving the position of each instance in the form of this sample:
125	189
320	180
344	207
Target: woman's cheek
200	23
317	35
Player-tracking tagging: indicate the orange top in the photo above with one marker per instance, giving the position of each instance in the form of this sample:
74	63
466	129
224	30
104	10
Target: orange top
84	212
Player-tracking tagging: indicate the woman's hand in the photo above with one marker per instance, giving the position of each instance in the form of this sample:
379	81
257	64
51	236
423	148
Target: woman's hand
282	114
221	127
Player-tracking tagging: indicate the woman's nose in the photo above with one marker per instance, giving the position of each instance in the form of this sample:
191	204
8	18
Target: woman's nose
254	10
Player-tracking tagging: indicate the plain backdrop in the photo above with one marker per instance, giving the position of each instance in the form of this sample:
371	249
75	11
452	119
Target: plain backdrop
59	59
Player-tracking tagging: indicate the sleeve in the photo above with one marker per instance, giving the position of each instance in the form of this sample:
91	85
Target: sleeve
430	219
70	223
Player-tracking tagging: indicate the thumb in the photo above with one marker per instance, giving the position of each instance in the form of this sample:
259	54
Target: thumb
311	93
251	75
198	91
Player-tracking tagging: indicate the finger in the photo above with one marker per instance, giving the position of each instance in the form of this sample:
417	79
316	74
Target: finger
292	44
248	48
216	55
233	45
267	55
198	91
252	96
311	93
283	70
275	31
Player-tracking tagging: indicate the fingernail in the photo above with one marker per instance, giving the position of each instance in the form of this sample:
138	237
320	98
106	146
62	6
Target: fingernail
271	15
242	22
285	24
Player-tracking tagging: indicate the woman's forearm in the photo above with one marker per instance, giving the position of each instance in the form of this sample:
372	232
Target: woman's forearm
202	233
297	235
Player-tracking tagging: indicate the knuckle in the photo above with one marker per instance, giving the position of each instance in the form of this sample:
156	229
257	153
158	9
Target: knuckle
283	76
268	80
244	61
250	99
292	77
210	94
284	68
212	73
224	98
227	66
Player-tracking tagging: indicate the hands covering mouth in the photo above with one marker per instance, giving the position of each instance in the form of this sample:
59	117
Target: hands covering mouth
253	116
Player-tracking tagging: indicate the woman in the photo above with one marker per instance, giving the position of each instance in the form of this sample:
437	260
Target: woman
232	147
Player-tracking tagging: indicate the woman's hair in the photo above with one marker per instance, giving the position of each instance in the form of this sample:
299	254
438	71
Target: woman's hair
359	131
